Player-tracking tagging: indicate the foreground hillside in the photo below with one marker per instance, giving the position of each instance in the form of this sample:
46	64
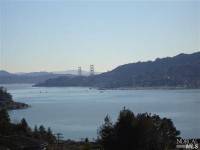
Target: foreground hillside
6	101
182	70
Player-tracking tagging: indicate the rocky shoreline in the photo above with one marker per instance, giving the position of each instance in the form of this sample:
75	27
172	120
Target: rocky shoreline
13	106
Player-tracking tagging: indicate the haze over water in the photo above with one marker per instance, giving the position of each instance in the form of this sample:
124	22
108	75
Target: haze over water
77	112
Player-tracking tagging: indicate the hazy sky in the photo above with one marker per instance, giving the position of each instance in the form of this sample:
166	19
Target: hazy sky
62	35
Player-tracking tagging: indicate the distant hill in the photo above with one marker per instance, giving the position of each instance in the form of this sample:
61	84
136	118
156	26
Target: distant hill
4	73
33	74
32	78
74	72
182	70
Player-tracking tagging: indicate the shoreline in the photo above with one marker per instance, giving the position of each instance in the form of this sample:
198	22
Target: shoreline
14	106
149	88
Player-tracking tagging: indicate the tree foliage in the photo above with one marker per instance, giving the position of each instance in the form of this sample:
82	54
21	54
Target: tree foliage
4	116
141	132
5	96
7	128
6	101
4	122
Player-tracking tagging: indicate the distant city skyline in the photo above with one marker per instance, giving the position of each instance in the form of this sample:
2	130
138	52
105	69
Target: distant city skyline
63	35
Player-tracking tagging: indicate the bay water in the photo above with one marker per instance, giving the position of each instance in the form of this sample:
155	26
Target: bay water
77	112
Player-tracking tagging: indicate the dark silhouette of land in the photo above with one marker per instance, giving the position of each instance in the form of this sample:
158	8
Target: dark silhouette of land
141	132
6	101
181	71
30	78
20	135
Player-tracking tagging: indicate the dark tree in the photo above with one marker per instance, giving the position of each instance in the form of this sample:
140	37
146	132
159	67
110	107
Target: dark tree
168	133
5	96
124	130
42	131
86	140
50	137
141	132
106	133
4	115
5	128
25	128
35	129
24	123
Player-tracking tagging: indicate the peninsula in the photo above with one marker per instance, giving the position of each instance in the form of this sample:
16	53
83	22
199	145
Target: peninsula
7	102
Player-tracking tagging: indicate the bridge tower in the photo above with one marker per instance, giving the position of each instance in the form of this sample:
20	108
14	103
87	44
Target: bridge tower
79	71
91	70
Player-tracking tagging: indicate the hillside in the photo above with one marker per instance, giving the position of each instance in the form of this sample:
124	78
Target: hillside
182	70
7	102
32	77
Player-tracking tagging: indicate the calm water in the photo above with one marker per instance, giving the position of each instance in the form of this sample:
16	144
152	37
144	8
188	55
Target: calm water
77	112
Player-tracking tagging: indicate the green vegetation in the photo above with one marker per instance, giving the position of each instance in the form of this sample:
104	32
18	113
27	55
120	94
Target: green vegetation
140	132
8	129
5	96
6	101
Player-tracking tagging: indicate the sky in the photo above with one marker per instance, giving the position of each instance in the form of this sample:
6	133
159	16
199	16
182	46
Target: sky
49	35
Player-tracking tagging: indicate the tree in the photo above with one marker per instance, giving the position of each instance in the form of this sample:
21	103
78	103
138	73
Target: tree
125	130
87	145
5	127
42	129
5	96
168	133
42	132
105	133
141	132
49	131
145	132
36	133
86	140
4	115
24	125
50	137
25	128
35	129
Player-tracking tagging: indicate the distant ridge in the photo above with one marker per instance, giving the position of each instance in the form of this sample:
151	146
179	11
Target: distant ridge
32	77
74	72
4	73
181	71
